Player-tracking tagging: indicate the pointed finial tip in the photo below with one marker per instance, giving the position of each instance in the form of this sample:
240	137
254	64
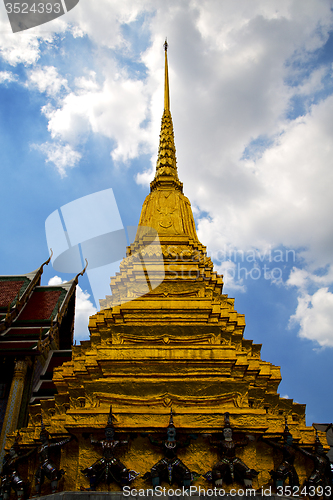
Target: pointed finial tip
166	44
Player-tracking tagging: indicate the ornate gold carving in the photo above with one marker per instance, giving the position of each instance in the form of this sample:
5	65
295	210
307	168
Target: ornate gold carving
92	401
234	399
164	339
61	409
76	402
190	293
166	206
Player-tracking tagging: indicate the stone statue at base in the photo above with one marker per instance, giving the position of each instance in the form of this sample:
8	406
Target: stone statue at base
10	477
109	469
170	468
46	468
230	468
286	470
321	476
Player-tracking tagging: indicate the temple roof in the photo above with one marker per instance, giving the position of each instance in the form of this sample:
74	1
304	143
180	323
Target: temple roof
31	315
37	322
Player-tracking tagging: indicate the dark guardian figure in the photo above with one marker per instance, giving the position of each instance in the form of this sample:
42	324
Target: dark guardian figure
170	468
10	477
230	468
320	480
46	468
286	470
109	469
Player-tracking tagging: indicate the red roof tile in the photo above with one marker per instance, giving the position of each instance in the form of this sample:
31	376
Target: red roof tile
17	346
40	305
23	333
8	291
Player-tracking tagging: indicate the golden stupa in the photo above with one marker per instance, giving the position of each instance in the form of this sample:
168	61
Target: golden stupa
166	338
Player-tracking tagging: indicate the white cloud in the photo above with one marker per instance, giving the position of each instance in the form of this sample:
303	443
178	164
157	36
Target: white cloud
116	110
47	80
76	31
64	157
7	76
303	279
314	314
84	84
233	278
145	178
15	49
315	81
83	309
103	23
55	281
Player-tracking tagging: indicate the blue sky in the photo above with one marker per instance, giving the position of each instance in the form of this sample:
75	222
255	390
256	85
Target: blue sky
252	104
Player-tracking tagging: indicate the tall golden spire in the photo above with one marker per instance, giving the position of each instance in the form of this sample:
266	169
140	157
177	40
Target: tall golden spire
166	79
166	176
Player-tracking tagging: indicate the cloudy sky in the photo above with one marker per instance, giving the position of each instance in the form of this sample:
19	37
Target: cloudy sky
252	105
